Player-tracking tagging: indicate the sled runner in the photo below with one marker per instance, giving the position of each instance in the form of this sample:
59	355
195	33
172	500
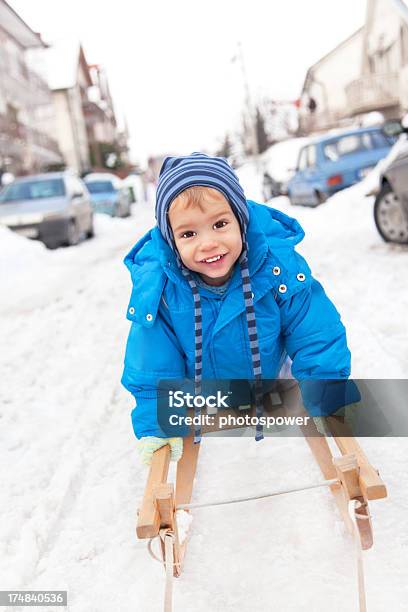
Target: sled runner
352	480
157	512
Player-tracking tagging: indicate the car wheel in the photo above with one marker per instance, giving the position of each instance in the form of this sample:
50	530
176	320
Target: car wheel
51	245
72	233
91	231
389	216
320	199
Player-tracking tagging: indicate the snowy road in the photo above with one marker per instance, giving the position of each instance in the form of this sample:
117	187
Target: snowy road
71	479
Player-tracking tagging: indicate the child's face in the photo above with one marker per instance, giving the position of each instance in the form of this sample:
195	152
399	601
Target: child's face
202	234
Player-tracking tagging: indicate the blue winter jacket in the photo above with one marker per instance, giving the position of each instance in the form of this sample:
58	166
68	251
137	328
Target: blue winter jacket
294	317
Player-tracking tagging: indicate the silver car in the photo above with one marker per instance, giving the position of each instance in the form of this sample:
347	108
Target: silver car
54	208
391	203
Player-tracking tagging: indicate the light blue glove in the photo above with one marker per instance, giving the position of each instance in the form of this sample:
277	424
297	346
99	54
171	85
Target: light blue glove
348	413
148	445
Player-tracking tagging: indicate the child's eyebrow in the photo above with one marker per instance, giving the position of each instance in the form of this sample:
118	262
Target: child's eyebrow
222	213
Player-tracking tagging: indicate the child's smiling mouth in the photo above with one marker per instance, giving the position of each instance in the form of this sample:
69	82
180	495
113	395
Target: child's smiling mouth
211	261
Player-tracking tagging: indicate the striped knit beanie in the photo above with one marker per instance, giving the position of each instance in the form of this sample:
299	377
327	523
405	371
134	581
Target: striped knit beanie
199	169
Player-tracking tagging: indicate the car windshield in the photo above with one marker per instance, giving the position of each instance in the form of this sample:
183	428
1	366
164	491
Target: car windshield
100	187
32	190
356	143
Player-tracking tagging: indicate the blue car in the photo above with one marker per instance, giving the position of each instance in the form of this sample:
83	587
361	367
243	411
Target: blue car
109	194
333	162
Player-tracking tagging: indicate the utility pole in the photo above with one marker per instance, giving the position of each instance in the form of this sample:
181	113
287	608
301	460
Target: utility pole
248	102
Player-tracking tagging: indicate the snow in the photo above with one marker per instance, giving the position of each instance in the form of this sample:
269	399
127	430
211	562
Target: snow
58	64
281	159
184	521
72	479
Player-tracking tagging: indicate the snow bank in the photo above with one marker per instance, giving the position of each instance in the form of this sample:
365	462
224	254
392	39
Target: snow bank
281	159
31	274
362	275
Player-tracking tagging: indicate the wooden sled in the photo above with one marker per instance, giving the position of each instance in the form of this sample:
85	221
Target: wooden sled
355	480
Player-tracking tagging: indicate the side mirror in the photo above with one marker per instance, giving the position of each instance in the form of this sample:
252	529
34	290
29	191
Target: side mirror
394	127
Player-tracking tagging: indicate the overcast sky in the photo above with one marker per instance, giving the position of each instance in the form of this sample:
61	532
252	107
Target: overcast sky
169	62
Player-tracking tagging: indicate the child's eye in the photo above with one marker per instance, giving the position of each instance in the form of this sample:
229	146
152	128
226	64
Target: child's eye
187	234
220	224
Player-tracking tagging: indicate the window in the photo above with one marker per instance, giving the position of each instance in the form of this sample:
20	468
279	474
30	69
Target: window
349	145
32	190
302	163
404	44
311	157
100	187
12	113
307	158
380	140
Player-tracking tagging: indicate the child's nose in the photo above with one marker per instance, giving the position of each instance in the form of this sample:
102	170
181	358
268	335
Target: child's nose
208	244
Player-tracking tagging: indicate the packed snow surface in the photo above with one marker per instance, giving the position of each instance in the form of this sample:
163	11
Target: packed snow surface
71	477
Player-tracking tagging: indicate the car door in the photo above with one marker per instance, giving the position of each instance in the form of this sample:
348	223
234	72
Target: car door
306	176
79	203
312	174
297	182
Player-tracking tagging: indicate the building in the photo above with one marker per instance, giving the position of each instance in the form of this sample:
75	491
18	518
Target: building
108	145
65	68
367	72
86	126
26	109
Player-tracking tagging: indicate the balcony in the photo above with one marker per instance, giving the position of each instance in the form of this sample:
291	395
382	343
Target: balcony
15	137
373	92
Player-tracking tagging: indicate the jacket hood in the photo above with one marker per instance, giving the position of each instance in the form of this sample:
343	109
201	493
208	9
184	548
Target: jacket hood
270	235
267	227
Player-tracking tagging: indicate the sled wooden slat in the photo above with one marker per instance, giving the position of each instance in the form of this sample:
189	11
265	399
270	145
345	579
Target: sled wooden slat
348	468
186	469
372	486
348	472
324	458
148	523
164	498
371	483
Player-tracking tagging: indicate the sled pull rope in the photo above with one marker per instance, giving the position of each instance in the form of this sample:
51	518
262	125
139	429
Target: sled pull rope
167	539
237	500
354	505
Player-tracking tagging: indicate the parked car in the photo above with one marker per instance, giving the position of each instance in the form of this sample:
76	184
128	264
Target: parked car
135	185
279	163
391	202
333	162
54	208
109	194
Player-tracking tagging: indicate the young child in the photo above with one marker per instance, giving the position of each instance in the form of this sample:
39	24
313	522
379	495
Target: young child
219	292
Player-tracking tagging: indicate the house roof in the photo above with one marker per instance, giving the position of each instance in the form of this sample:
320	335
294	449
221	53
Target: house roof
16	27
60	64
402	8
309	72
